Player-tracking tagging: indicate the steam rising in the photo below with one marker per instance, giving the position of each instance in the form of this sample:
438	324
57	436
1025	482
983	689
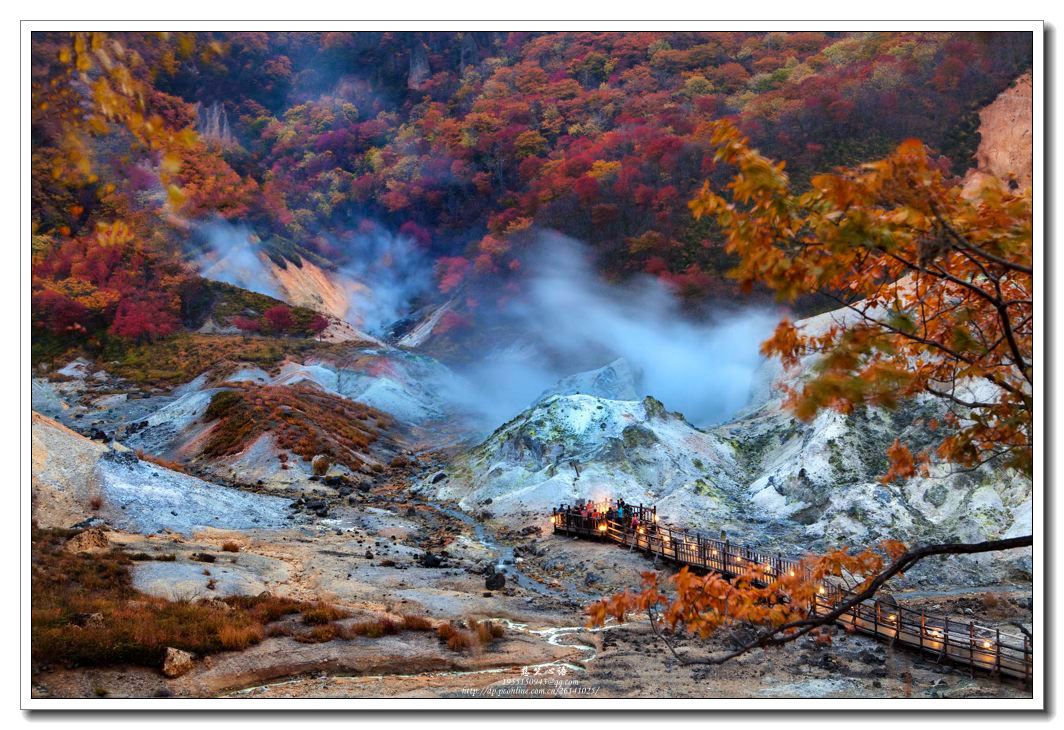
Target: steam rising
380	273
232	257
566	320
572	320
394	271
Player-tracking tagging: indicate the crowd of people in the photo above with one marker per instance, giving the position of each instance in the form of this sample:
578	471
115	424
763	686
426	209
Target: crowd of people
614	510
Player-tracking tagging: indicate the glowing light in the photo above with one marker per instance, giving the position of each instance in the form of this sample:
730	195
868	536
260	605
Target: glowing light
642	530
820	590
791	573
655	518
892	618
602	527
987	644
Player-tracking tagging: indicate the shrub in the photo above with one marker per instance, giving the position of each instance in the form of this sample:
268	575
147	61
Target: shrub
461	641
416	623
479	634
230	547
266	608
96	502
373	629
319	634
204	557
238	637
322	613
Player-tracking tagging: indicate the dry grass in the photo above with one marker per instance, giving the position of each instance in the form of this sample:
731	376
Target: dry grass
96	502
475	635
320	634
416	623
159	461
132	628
230	547
68	589
322	613
373	629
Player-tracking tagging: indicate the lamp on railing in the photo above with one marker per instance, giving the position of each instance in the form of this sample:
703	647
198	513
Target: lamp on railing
602	527
988	644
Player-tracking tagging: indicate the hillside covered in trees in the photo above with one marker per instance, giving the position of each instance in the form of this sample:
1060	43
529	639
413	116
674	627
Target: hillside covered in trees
462	143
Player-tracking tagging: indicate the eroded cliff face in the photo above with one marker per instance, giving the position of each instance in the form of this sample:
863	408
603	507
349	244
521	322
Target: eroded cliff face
311	286
1006	129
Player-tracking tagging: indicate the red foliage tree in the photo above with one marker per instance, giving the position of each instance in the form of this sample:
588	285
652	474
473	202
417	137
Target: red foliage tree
247	324
278	319
317	324
143	320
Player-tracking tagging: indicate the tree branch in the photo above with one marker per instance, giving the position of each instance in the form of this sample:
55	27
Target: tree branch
788	632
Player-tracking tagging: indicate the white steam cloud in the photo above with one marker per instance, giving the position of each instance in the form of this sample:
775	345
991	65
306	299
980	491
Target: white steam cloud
572	320
232	256
393	272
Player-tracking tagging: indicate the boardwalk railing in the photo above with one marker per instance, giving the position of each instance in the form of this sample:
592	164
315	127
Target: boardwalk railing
964	643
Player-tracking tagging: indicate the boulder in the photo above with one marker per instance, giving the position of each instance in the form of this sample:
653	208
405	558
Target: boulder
176	662
495	581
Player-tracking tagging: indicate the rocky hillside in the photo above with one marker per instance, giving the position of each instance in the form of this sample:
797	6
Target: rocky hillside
763	474
585	446
1006	128
80	482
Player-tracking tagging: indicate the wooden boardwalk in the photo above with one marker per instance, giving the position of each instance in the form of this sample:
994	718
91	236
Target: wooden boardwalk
964	643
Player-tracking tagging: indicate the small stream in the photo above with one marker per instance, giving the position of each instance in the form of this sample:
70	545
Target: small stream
553	635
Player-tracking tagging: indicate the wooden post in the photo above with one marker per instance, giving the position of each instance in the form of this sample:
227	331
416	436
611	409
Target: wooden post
1026	658
945	641
997	651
